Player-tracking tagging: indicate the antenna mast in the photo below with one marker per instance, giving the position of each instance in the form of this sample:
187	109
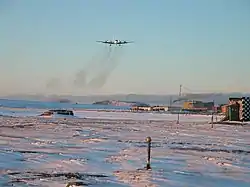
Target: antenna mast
180	90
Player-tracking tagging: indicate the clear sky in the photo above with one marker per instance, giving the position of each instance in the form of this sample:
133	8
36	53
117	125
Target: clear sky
202	44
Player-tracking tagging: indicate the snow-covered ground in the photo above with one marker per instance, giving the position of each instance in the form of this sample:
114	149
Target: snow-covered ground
106	149
113	115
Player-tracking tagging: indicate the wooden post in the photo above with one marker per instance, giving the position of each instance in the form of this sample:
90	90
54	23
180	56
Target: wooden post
178	118
148	140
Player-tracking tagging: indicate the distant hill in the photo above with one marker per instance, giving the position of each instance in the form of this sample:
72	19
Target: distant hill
121	103
150	99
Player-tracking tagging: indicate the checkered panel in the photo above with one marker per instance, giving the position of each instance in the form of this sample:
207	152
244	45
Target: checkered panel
245	108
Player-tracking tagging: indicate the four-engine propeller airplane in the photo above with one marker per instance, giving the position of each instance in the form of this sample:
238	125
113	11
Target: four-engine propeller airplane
115	42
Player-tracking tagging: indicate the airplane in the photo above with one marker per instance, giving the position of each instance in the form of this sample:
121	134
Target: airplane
114	42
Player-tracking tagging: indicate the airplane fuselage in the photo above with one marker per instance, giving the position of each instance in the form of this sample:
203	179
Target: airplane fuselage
114	42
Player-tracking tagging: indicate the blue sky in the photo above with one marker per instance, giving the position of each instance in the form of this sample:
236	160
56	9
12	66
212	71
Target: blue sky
202	44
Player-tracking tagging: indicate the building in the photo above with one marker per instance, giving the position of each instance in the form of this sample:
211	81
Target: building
224	109
173	108
242	108
193	105
138	108
158	108
209	105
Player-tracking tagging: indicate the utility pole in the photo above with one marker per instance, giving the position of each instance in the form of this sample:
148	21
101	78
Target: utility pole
178	116
212	117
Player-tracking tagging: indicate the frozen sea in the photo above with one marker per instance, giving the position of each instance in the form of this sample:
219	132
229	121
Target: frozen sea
108	149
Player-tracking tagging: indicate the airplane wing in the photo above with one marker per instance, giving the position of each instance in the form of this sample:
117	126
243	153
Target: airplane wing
101	41
129	42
